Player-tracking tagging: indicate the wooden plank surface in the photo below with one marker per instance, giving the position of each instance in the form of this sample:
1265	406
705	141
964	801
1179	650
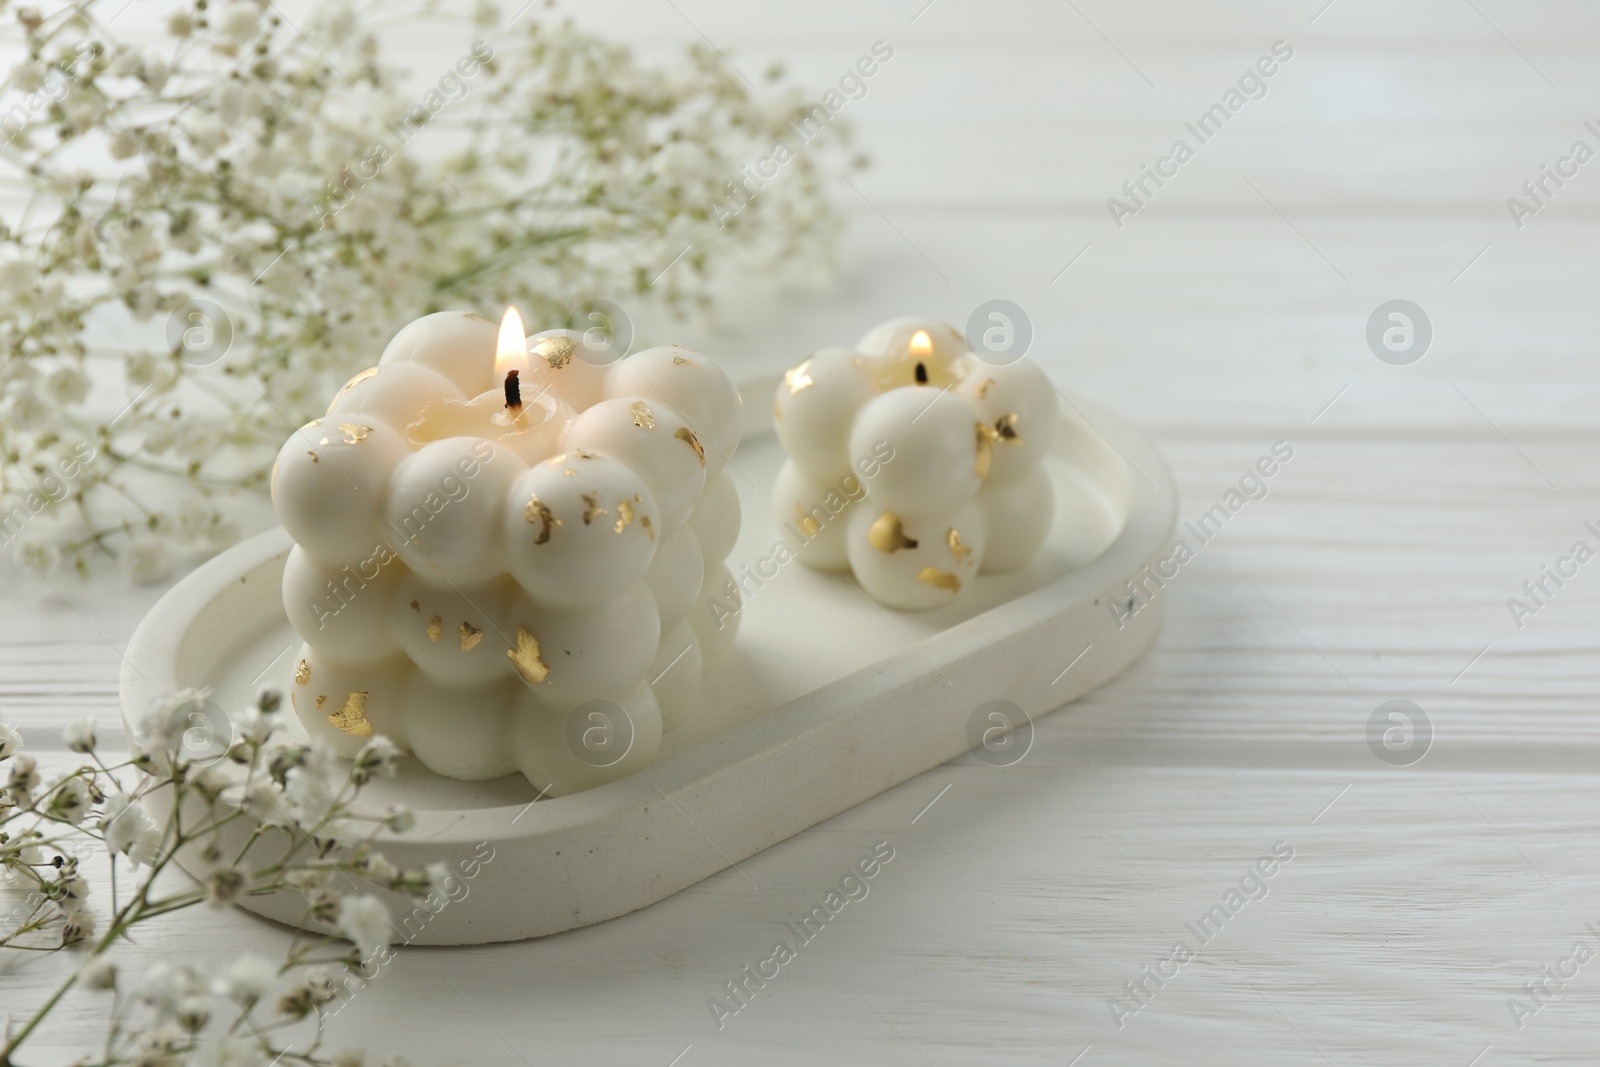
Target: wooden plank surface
1228	315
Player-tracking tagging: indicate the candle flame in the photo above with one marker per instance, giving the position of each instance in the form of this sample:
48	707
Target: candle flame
921	346
511	351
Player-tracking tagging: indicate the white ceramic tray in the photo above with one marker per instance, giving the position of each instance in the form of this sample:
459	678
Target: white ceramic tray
825	701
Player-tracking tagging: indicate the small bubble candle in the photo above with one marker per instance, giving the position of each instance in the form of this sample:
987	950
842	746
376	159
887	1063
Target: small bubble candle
963	491
502	550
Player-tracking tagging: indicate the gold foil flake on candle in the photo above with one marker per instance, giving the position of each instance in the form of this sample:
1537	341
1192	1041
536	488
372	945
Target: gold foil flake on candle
556	351
370	372
888	534
470	636
480	318
624	515
435	628
354	433
808	525
537	511
581	454
983	388
686	435
570	473
351	716
415	606
796	377
644	520
592	508
642	415
1005	429
957	549
302	673
321	697
314	457
525	658
679	361
777	412
984	441
939	579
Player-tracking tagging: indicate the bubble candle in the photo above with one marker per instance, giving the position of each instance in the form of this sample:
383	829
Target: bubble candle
503	546
965	493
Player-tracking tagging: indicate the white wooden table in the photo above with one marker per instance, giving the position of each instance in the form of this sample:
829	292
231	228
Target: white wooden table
1227	315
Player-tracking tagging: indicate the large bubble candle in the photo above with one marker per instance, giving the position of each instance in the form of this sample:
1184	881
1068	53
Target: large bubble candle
503	546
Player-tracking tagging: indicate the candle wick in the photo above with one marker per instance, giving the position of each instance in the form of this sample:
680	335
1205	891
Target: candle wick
513	391
922	373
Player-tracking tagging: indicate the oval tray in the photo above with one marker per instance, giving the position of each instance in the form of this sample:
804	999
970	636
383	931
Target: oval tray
826	699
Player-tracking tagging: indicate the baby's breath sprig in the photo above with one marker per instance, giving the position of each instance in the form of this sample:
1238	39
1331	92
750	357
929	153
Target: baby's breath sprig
295	804
220	228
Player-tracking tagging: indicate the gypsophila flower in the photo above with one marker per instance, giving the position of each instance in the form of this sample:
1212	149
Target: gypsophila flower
224	886
209	782
440	879
69	800
36	555
252	726
262	801
276	189
399	820
380	870
239	22
247	979
378	758
316	989
424	881
129	831
73	889
194	1011
309	795
24	778
24	408
10	740
177	728
79	926
147	559
158	1046
323	903
281	759
79	735
166	986
67	385
305	880
365	921
100	974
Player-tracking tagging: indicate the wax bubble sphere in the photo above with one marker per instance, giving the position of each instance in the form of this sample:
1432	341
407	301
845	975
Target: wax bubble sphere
913	464
501	587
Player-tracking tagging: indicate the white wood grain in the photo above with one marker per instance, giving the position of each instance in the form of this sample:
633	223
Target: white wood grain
1424	897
